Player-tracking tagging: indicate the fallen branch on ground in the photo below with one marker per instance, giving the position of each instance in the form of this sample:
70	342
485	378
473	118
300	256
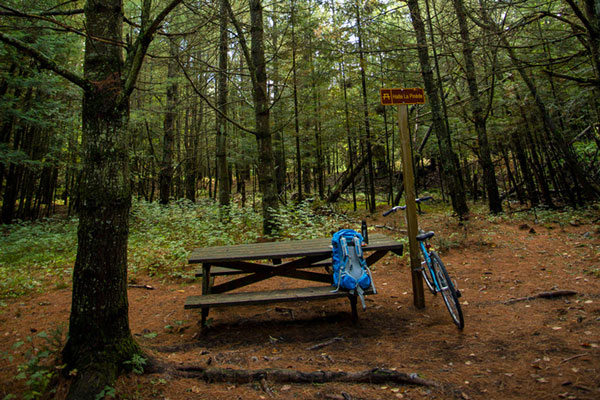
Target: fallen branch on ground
573	357
147	287
391	228
326	343
376	375
543	295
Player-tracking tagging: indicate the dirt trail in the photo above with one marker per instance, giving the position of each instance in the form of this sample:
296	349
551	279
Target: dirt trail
536	349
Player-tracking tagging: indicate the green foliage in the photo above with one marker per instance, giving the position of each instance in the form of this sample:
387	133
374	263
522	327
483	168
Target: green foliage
108	392
162	236
137	363
160	240
40	368
30	252
302	222
565	215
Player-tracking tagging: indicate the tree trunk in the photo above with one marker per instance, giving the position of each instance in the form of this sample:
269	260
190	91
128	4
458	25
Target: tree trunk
449	160
166	169
489	175
278	138
346	179
296	116
351	152
371	174
266	164
224	189
99	339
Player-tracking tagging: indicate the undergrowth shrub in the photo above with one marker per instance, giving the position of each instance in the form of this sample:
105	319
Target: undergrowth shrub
33	251
41	367
161	238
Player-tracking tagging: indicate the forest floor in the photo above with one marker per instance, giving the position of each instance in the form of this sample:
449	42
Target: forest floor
530	349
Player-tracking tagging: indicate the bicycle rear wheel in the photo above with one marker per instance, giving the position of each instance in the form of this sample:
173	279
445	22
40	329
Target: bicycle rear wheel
448	291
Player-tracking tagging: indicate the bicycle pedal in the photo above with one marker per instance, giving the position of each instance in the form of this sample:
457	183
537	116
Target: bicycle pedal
458	294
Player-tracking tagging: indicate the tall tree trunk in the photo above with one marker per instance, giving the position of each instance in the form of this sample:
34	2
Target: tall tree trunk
224	191
371	174
266	164
449	160
296	116
489	175
166	169
318	170
99	339
278	138
351	151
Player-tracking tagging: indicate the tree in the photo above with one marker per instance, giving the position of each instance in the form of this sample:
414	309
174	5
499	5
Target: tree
489	175
255	58
166	170
449	159
100	341
221	147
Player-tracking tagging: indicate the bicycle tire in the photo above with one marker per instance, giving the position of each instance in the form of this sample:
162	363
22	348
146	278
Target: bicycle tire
426	272
448	291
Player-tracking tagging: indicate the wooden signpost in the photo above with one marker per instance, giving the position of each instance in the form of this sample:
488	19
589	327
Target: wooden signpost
402	97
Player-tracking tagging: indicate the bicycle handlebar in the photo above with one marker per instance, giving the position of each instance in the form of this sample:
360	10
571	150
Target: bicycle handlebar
394	209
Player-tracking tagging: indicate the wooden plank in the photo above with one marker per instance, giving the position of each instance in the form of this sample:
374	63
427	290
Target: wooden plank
260	276
270	296
286	249
224	271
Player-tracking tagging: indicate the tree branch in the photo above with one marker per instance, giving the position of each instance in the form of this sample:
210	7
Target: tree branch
581	17
135	58
243	43
45	62
583	81
208	102
11	12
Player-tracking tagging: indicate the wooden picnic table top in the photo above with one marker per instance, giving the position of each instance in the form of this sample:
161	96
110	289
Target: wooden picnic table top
283	249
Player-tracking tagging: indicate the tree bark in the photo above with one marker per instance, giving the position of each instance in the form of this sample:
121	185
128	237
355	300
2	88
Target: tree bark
371	174
299	171
266	164
166	169
224	188
99	340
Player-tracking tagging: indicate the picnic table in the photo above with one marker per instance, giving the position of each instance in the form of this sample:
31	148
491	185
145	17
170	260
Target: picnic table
295	259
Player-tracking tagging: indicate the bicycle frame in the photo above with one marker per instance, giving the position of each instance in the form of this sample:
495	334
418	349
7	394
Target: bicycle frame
427	262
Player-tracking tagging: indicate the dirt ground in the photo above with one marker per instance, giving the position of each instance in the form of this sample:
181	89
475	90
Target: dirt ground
534	349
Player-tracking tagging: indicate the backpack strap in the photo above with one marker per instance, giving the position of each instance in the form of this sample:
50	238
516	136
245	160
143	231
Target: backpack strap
344	261
357	246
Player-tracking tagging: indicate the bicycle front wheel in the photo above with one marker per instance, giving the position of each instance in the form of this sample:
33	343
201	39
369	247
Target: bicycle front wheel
448	291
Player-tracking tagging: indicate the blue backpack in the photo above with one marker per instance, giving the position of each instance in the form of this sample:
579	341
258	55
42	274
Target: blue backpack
350	270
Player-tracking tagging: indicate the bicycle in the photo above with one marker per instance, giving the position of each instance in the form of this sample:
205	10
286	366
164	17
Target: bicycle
434	272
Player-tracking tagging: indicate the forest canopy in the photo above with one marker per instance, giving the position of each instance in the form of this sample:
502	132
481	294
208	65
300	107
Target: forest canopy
192	131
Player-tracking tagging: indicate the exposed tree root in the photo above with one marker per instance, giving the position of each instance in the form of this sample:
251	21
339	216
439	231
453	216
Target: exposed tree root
376	375
543	295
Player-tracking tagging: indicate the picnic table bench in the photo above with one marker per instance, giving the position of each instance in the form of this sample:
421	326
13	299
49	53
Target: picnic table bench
261	261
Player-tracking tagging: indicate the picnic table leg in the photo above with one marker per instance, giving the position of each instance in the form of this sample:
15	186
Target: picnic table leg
353	299
206	285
